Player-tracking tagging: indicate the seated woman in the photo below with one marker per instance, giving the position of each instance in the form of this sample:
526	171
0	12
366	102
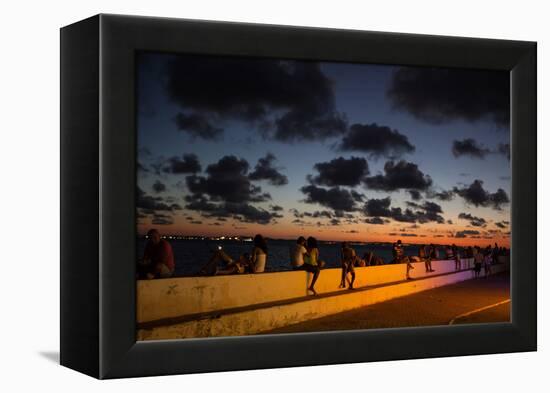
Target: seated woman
371	259
246	263
241	265
259	255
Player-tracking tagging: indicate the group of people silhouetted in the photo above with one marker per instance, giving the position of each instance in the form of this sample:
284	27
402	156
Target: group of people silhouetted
158	259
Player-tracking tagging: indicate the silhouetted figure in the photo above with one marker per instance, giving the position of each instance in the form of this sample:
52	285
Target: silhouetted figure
158	257
478	260
487	262
297	253
230	266
347	259
456	256
311	262
258	259
423	255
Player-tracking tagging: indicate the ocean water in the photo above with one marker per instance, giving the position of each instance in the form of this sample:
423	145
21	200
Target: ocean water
191	255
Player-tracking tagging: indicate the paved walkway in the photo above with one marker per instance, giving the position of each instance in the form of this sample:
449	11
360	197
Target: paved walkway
438	306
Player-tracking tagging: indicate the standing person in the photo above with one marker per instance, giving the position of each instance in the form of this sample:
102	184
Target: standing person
399	257
311	262
495	254
397	252
487	264
478	259
297	253
449	252
158	257
258	258
347	259
430	254
434	253
469	255
456	255
423	255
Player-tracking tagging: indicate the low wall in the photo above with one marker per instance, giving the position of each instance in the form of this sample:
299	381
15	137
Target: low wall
271	317
176	297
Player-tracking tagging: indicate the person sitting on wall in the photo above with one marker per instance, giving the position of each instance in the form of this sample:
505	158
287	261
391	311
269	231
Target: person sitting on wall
158	258
372	260
231	266
347	258
258	259
297	253
246	263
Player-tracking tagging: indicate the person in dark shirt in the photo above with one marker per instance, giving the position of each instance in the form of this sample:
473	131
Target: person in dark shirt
158	257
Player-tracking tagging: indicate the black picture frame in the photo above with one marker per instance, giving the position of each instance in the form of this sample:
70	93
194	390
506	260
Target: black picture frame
98	169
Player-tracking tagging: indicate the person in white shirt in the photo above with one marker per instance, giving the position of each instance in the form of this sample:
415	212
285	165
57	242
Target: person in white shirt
259	255
297	253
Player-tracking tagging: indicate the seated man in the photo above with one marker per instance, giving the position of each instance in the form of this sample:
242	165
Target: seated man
158	258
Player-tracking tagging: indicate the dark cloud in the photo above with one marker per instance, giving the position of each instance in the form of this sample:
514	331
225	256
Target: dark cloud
476	195
335	198
276	208
197	126
265	170
466	233
423	213
401	175
502	224
159	187
415	195
474	221
376	221
441	195
469	147
253	89
228	181
376	140
162	219
227	192
341	172
243	212
150	204
357	196
427	212
189	163
439	95
378	207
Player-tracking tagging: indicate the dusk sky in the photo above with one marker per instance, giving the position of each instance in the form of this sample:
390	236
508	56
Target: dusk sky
239	146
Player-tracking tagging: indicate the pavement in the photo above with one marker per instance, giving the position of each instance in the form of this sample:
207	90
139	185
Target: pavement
481	300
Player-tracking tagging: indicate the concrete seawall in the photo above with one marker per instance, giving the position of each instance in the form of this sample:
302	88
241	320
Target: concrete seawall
248	304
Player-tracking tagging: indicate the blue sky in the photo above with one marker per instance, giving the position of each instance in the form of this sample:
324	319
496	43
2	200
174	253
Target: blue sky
359	94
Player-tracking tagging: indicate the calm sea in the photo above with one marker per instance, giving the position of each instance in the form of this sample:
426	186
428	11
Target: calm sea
191	255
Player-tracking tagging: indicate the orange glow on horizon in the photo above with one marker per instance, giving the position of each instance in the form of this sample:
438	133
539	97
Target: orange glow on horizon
363	233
